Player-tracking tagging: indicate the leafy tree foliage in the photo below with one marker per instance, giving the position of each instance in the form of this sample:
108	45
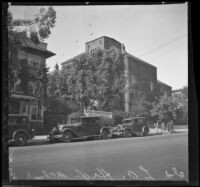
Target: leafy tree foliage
139	105
61	105
58	100
118	116
54	82
36	30
97	78
164	109
185	91
181	101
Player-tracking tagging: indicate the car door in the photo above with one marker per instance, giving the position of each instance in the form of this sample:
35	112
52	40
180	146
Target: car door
90	126
136	125
95	126
85	128
16	123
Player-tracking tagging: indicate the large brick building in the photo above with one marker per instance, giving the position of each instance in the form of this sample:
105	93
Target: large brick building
137	71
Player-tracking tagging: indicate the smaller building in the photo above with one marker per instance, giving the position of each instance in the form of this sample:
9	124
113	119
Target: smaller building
177	92
27	99
163	89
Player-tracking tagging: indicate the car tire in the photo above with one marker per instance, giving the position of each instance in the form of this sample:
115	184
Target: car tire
146	131
67	136
127	133
51	140
104	134
20	139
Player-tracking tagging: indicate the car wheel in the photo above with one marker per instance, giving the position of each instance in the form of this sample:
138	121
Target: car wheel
127	133
20	139
67	136
51	140
104	134
146	131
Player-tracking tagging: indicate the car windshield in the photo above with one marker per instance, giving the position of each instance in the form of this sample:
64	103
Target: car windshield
126	121
13	120
75	120
90	120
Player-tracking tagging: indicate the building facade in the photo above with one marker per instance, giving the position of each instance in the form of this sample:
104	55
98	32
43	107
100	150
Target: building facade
26	99
140	75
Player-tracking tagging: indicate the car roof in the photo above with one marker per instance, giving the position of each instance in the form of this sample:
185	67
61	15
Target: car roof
90	116
134	118
17	115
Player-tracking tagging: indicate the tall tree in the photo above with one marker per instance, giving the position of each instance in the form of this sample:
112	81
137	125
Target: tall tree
139	105
181	101
185	91
97	79
54	82
165	109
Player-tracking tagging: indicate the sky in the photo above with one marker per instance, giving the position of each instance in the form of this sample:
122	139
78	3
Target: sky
156	34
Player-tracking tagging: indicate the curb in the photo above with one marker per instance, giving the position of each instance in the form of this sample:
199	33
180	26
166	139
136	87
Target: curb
42	140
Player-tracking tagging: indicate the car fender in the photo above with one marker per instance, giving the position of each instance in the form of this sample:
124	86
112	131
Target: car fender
144	128
21	131
68	129
105	128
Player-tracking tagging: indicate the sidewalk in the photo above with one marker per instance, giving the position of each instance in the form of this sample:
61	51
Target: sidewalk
176	130
39	140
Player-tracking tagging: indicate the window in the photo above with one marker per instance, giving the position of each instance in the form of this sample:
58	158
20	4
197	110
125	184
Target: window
151	86
126	121
39	113
75	120
12	121
30	89
140	121
34	113
23	109
14	107
22	120
97	120
35	65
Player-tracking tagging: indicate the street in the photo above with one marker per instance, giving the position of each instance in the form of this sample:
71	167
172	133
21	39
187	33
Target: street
160	157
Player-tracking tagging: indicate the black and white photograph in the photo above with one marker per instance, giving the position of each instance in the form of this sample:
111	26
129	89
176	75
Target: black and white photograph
98	93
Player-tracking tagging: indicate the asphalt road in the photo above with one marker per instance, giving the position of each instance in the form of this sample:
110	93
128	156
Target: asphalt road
161	157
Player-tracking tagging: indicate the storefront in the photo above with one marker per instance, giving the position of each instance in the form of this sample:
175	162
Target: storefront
27	105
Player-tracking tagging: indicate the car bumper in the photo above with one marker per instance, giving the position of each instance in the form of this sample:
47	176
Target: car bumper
117	133
55	137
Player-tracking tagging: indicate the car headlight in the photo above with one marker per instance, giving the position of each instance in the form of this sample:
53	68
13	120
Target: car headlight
60	127
120	128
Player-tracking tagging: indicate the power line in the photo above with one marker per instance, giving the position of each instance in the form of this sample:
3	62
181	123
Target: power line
167	43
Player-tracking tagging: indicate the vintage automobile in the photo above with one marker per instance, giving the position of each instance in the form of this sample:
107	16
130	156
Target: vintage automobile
87	127
19	129
131	126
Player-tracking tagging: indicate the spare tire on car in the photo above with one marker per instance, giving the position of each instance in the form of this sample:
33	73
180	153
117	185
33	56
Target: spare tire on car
20	139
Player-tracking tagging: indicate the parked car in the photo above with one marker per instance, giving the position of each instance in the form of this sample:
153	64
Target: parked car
87	127
19	129
131	126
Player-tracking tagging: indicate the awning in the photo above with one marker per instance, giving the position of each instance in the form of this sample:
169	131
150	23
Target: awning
24	97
